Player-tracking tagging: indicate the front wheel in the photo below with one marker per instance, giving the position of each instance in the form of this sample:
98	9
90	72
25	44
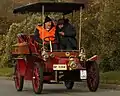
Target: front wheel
69	84
37	80
92	76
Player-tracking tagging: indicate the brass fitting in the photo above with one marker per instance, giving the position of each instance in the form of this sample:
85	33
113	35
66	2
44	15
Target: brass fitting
72	64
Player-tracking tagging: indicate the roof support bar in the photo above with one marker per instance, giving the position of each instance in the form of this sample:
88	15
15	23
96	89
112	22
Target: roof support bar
80	29
43	25
73	14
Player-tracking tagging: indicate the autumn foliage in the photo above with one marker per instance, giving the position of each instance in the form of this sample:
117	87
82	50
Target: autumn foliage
100	27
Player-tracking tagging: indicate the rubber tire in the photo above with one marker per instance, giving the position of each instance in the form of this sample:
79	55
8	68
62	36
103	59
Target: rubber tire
69	84
21	81
90	65
40	73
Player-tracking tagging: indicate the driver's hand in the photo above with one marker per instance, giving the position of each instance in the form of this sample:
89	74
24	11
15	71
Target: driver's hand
62	33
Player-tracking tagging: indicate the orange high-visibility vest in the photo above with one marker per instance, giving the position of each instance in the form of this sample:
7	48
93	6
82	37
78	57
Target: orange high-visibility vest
44	33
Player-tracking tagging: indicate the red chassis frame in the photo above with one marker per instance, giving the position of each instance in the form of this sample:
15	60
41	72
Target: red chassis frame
26	53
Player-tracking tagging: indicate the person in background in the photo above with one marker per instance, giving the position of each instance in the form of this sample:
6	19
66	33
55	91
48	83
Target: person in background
65	34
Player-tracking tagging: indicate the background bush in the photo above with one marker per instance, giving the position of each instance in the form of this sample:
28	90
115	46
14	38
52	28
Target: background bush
100	27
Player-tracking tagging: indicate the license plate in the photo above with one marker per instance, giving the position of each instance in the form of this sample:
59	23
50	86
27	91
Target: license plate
83	74
59	67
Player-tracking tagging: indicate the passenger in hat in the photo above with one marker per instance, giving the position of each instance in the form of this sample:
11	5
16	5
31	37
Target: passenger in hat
65	34
46	30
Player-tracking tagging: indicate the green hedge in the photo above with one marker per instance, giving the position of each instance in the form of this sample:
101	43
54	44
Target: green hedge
100	33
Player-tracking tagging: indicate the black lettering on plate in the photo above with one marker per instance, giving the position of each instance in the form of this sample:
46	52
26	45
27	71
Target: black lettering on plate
55	66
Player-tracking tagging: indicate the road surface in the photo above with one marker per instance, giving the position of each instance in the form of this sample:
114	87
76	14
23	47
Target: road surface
7	89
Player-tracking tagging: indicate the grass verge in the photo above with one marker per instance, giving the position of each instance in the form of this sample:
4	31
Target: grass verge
6	72
112	77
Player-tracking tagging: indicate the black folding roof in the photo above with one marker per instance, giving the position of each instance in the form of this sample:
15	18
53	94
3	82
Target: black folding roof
50	7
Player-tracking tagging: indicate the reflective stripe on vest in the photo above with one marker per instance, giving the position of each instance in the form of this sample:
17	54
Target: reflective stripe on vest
44	33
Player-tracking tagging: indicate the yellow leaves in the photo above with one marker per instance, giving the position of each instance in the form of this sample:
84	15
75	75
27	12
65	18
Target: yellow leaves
27	26
24	1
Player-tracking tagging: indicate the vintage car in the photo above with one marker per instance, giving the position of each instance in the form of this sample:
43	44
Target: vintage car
41	65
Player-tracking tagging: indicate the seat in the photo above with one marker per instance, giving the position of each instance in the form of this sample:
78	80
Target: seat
22	38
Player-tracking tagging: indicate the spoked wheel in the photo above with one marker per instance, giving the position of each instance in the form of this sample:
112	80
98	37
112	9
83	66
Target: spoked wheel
19	80
69	84
92	76
37	79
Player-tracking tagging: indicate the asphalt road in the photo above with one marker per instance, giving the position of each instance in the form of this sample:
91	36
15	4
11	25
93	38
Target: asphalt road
7	89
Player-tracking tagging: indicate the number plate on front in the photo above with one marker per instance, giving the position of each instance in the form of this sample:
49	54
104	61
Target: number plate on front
83	74
59	67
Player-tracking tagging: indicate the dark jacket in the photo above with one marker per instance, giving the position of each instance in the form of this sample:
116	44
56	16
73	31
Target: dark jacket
68	41
37	35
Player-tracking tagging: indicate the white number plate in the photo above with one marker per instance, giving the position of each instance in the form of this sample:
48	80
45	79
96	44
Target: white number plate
59	67
83	74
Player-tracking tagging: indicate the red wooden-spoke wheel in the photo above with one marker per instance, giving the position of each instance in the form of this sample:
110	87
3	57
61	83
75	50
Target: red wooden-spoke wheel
37	79
19	80
92	76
